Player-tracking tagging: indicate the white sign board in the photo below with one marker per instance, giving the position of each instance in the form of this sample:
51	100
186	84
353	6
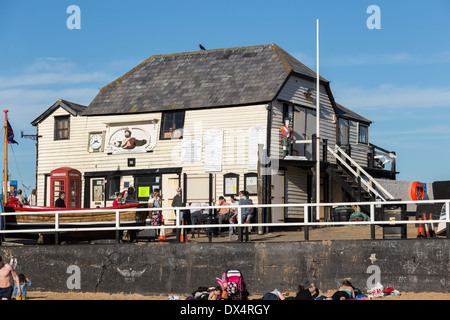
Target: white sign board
213	150
256	135
191	150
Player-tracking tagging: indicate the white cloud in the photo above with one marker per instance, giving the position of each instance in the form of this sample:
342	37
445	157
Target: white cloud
52	71
29	92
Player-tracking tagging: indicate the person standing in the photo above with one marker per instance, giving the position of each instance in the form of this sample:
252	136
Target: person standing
60	203
156	215
243	201
6	286
232	217
178	202
32	200
20	197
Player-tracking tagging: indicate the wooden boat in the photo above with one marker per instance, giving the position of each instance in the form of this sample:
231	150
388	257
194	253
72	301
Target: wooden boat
72	215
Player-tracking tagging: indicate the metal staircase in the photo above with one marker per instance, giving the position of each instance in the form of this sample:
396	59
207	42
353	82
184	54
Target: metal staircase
354	179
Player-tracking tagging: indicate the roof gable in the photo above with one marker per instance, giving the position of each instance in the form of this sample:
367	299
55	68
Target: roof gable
72	108
211	78
349	114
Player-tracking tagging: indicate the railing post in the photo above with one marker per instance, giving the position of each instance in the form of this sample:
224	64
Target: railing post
117	226
56	228
177	224
239	217
306	220
372	220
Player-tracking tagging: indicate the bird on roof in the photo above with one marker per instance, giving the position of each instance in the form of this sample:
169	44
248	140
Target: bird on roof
201	47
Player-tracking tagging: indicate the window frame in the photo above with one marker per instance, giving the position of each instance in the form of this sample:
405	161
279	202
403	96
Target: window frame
251	175
58	130
234	176
361	125
164	120
339	131
110	189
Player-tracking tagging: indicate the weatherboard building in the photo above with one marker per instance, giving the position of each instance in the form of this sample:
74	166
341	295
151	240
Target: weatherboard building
205	121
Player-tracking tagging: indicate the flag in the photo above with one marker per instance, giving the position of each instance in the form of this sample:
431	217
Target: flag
10	135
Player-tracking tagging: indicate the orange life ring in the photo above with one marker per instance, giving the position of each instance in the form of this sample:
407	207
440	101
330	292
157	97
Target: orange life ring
417	191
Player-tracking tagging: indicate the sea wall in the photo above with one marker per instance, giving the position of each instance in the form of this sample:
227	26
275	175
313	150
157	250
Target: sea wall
179	268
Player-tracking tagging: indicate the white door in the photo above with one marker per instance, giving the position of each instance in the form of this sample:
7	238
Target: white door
97	192
169	187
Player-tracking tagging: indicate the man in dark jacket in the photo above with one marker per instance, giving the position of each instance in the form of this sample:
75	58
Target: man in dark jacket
178	202
60	203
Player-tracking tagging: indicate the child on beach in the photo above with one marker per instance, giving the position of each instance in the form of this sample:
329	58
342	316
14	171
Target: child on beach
24	282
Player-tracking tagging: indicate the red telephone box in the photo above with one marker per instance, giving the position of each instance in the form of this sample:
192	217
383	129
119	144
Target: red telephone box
66	180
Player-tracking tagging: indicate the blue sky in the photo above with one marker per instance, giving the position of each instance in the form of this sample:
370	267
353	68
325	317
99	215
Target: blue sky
396	76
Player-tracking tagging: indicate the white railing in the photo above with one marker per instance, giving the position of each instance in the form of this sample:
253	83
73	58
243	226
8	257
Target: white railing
118	226
360	172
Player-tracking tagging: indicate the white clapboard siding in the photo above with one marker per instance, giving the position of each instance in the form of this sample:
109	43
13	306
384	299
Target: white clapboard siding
74	153
293	92
296	191
276	150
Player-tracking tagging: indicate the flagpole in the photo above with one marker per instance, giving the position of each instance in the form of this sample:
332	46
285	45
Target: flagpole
5	173
317	129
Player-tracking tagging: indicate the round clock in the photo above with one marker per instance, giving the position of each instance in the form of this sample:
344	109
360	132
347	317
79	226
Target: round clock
96	141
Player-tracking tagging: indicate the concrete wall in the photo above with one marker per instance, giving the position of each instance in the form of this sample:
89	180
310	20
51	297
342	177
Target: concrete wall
406	265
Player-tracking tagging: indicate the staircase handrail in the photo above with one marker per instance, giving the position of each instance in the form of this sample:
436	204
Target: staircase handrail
360	170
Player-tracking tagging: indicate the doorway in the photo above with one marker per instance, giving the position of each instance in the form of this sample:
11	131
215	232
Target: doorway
98	192
304	127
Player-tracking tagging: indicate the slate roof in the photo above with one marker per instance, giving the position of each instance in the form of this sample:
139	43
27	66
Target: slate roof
201	79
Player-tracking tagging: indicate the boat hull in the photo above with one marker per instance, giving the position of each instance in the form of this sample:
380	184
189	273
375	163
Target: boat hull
72	216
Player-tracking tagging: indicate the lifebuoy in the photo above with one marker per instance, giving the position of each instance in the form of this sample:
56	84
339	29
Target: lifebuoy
417	191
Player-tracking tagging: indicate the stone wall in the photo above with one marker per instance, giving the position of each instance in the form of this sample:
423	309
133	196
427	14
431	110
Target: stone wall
180	268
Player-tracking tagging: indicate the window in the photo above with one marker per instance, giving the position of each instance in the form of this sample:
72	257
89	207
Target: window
363	134
172	125
145	185
62	128
251	183
112	187
343	132
231	184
